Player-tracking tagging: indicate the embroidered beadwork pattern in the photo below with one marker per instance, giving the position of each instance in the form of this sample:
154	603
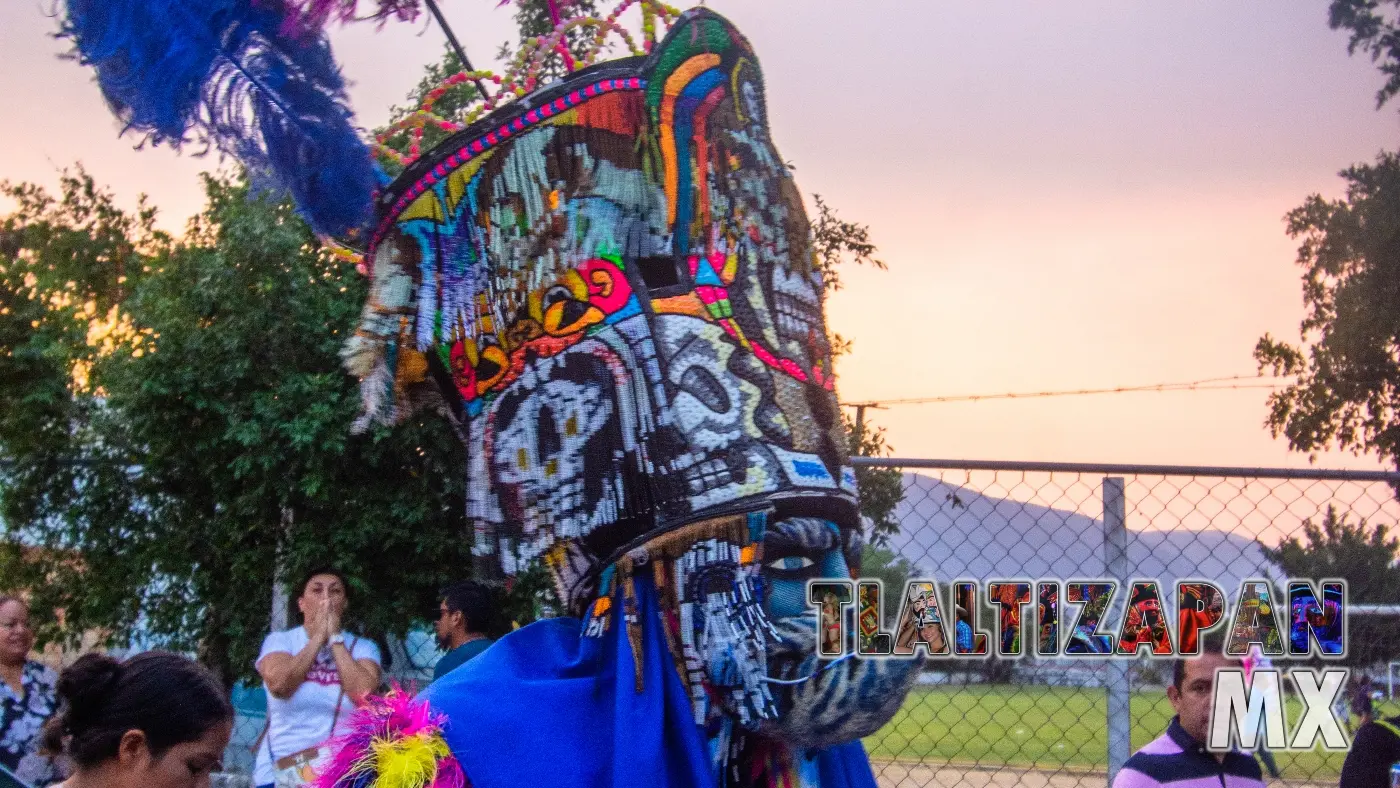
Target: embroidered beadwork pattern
612	282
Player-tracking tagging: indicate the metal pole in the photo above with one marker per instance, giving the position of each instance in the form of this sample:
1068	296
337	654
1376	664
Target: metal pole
456	45
1115	559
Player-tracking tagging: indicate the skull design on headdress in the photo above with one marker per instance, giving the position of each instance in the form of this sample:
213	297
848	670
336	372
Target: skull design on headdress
611	283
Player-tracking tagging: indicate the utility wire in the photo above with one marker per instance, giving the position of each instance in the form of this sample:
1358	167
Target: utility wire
1207	384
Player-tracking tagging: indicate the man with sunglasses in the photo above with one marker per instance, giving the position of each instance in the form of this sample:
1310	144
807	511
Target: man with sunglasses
466	611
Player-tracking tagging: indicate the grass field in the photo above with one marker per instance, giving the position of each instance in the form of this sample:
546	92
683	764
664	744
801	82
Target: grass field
1044	727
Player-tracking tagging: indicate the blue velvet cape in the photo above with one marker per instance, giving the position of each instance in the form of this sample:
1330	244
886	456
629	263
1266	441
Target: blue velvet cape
545	706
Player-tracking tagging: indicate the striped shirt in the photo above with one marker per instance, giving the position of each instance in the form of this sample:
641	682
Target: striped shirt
1177	760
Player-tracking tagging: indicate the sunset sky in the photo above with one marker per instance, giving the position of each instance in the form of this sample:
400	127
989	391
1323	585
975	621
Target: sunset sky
1068	196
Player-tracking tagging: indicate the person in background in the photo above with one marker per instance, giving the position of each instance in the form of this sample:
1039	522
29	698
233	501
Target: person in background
1179	757
1256	660
1374	759
830	623
1361	706
28	696
963	617
1341	706
924	625
157	720
314	675
466	612
963	630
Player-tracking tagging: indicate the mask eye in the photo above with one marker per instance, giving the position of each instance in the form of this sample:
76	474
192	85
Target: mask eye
791	563
555	295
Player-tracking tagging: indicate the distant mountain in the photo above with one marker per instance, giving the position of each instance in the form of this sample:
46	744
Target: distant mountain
954	533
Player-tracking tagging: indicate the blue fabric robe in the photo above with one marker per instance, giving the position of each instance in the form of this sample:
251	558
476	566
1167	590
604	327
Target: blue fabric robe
546	706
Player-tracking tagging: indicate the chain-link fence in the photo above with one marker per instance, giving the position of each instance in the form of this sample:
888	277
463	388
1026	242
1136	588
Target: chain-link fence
1039	721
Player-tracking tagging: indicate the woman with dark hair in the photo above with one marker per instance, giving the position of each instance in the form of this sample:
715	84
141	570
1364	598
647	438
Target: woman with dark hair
157	720
27	696
314	676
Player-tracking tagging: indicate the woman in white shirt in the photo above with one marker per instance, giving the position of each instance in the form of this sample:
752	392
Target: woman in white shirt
314	675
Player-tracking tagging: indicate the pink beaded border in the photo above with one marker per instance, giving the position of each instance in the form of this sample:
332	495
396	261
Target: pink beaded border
490	140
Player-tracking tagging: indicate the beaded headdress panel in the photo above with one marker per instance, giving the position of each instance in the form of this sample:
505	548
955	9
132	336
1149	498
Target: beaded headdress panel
611	283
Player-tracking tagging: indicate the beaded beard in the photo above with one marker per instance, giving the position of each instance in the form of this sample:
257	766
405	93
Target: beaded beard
708	576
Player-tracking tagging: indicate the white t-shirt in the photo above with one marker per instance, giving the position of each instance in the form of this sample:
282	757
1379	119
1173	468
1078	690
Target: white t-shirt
304	720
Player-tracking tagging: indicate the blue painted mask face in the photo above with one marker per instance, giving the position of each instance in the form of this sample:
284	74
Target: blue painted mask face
849	700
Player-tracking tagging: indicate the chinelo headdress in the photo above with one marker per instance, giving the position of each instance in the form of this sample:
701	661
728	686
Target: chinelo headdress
611	281
608	284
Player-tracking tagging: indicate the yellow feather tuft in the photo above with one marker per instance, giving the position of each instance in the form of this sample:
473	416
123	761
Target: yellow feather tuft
409	762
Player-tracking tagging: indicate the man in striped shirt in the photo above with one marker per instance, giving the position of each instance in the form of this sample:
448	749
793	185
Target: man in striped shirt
1178	758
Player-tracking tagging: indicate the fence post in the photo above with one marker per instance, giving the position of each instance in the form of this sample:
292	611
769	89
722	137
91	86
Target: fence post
1115	560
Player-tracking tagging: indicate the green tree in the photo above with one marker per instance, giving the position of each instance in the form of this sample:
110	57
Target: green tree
1373	34
881	489
1347	372
1368	558
65	266
208	441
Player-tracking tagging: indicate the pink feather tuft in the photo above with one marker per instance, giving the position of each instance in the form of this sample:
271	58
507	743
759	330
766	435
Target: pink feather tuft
450	775
338	768
407	717
396	715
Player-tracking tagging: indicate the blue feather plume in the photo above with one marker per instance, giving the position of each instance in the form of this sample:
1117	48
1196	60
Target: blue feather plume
231	72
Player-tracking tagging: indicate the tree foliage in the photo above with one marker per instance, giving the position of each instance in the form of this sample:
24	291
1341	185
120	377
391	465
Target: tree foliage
1346	392
214	415
1368	558
1347	367
837	242
1374	34
881	489
1348	385
532	18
